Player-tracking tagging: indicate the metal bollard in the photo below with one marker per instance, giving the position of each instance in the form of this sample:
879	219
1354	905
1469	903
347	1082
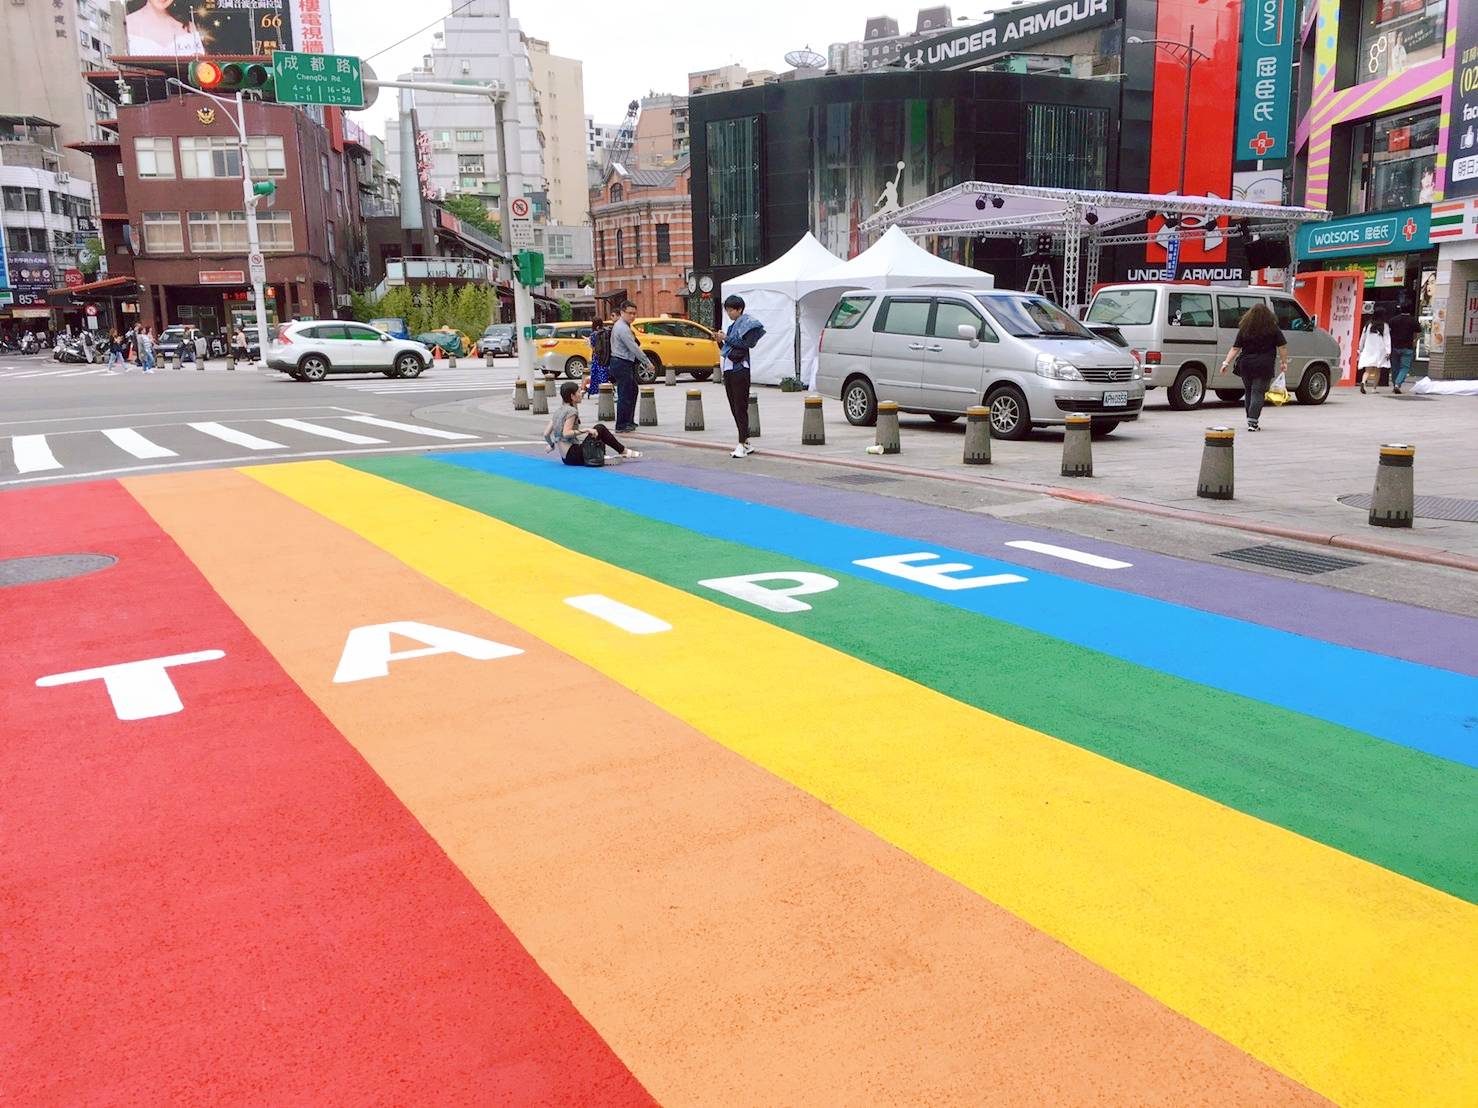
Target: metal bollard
487	359
605	406
646	410
671	381
754	416
977	436
813	431
887	435
451	360
1215	481
520	395
1393	503
230	361
541	398
693	416
1077	446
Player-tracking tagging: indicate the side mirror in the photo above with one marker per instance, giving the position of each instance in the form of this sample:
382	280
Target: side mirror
965	331
384	337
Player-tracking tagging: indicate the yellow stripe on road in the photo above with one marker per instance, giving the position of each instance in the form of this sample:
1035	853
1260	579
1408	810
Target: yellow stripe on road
1349	978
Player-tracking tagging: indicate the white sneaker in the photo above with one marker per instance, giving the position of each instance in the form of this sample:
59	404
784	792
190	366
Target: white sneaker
740	451
630	454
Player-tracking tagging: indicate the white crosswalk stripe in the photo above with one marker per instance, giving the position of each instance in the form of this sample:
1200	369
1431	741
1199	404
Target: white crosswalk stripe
410	429
33	454
327	432
129	440
237	438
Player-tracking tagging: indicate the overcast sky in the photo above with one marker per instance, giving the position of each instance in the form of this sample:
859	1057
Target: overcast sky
630	48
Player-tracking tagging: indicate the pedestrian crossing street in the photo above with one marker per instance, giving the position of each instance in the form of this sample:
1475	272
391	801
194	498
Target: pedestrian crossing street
104	450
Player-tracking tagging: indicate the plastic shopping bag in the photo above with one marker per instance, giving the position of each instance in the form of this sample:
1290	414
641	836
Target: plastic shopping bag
1278	391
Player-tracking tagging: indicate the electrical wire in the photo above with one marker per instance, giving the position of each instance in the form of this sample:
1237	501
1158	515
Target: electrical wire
421	31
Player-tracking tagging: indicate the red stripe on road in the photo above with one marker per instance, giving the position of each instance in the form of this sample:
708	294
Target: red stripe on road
226	903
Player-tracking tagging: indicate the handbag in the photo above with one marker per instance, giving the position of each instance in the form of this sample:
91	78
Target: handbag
594	451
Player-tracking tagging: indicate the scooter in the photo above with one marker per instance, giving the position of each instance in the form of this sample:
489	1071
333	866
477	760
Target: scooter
70	351
29	345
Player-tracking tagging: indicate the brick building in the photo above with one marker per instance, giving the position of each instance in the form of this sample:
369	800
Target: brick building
643	224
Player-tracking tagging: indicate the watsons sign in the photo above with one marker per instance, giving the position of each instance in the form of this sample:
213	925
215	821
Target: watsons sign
1388	233
1009	32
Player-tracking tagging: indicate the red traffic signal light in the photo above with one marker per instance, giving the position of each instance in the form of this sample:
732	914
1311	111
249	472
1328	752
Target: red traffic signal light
205	75
231	77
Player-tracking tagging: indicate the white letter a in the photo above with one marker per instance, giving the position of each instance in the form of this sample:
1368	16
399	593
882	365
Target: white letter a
367	650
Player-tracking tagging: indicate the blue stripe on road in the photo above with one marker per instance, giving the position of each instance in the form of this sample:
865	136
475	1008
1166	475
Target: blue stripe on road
1417	706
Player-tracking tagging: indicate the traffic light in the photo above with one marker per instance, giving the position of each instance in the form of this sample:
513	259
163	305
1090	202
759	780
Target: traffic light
210	76
530	268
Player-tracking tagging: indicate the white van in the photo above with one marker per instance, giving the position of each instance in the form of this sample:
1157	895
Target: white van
1182	332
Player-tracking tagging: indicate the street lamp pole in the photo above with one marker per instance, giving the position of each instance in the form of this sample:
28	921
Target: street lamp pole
1187	54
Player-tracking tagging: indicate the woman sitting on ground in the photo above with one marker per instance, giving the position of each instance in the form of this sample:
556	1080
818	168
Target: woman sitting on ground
563	432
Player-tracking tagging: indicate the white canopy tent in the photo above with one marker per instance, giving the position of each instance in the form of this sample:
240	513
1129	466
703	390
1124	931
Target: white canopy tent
772	294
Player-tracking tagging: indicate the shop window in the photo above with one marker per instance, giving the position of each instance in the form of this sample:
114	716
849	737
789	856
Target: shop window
734	191
1393	160
1066	146
664	243
1398	34
162	234
154	156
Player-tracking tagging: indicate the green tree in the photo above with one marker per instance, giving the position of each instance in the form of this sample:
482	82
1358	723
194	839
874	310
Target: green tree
472	211
89	257
470	313
566	311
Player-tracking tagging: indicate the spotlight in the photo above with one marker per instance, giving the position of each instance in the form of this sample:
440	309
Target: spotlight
998	201
1090	218
980	203
1244	228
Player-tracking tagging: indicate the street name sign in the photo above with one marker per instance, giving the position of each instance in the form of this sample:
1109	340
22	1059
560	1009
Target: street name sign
335	79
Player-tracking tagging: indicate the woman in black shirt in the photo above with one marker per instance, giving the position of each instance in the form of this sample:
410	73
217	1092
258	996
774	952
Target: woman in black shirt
1259	344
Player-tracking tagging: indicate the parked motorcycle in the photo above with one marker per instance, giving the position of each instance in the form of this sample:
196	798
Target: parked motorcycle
70	351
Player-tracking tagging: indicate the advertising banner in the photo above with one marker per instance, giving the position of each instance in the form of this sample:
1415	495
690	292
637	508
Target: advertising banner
6	296
1010	31
196	28
1266	79
30	278
1462	133
1385	233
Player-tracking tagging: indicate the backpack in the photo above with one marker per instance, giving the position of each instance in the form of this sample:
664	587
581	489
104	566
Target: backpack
594	451
600	346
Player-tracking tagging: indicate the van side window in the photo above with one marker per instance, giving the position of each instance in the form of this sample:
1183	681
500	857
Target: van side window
1231	309
1291	315
949	314
903	317
1190	309
849	312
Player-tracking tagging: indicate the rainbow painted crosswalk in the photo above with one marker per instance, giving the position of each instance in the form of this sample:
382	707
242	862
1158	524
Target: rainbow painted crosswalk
477	779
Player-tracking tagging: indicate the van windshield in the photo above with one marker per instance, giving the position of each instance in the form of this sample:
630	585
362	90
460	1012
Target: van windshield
1031	317
1125	307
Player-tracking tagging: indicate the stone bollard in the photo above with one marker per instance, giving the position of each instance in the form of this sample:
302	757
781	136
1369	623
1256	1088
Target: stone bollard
605	405
977	436
1215	482
541	398
646	409
1393	502
230	361
520	395
887	436
693	416
671	380
754	416
174	358
813	431
451	360
487	359
1077	446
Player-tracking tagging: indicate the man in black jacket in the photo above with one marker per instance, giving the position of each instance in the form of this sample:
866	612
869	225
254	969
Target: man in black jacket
1403	328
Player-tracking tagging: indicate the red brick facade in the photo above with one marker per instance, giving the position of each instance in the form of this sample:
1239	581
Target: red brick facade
643	224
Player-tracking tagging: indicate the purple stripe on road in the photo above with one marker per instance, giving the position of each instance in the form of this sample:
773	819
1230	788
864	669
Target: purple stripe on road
1432	638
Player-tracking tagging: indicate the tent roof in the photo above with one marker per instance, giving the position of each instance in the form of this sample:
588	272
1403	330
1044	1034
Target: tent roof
789	272
895	260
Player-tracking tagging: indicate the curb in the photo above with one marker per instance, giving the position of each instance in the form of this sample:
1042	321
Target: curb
1317	538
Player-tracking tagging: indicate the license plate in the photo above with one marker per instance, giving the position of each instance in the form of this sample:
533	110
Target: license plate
1115	399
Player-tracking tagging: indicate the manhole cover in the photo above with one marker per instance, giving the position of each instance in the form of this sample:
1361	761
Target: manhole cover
1286	558
859	479
50	567
1452	508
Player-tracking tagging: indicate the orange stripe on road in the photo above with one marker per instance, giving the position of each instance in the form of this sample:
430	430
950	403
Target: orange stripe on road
731	937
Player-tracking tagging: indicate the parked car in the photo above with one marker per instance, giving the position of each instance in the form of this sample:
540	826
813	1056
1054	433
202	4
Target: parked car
565	350
499	339
311	349
942	350
686	346
177	337
1183	332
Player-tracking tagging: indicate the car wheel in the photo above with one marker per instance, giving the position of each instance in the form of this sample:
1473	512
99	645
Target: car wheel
1229	394
860	402
1314	388
1100	428
645	375
1189	390
942	419
408	366
575	367
313	368
1010	418
702	374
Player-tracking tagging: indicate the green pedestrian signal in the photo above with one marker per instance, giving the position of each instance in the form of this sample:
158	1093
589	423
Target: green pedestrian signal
530	268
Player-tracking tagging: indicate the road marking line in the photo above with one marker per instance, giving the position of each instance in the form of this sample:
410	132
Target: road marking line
126	438
237	438
32	454
410	428
1068	554
327	432
619	615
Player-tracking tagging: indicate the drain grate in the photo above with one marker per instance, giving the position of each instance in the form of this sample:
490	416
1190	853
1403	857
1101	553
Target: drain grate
1286	558
1454	508
859	479
50	567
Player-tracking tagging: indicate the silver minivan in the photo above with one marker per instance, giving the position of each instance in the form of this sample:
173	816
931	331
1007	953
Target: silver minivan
1183	332
941	350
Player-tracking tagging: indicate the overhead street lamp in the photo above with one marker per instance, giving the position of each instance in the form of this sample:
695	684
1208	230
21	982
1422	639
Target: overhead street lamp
1187	55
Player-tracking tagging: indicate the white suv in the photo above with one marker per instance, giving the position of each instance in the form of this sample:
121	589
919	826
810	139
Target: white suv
311	349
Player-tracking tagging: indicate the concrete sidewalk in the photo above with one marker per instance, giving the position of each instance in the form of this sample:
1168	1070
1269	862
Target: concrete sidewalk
1291	474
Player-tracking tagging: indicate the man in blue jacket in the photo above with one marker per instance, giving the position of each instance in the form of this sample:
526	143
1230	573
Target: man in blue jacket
743	332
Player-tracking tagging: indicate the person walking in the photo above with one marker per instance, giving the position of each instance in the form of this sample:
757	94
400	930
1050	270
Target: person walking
626	355
564	434
202	349
600	358
1375	351
1403	328
144	337
238	344
1259	344
739	339
116	351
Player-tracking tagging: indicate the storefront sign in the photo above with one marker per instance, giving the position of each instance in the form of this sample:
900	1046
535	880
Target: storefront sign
1012	31
1455	219
1470	315
1387	233
222	277
72	278
1344	312
1266	79
31	277
1390	272
1462	133
1366	267
6	296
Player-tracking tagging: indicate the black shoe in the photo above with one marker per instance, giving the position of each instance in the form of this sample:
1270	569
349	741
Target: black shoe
624	429
1252	425
1362	388
1396	390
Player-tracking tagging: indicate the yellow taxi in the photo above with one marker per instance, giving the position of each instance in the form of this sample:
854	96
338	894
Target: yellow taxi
565	350
686	346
